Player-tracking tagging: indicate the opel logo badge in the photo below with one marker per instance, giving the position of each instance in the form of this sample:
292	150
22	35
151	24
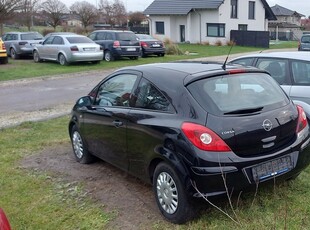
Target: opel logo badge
267	125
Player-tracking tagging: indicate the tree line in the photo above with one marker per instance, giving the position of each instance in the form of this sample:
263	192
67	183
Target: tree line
52	12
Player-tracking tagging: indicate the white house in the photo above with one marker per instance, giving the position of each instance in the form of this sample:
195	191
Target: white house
198	21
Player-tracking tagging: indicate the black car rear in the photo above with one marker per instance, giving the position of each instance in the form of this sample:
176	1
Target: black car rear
117	44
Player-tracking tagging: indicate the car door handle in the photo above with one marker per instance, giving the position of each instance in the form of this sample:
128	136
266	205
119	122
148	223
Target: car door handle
117	123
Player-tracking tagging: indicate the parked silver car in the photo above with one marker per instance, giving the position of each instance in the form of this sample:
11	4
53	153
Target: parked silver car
304	43
20	43
67	48
290	69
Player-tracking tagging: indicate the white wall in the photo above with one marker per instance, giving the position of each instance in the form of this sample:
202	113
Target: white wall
196	22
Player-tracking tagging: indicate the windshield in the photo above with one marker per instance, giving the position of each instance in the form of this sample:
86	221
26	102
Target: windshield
238	94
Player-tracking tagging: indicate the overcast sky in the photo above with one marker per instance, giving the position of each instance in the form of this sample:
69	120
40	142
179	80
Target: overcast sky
301	6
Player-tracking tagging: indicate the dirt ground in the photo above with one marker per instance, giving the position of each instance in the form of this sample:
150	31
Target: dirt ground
131	200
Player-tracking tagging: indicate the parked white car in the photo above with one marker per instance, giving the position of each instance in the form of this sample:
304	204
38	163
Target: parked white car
67	49
290	69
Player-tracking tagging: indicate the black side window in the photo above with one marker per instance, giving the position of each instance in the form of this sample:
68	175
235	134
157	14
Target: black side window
101	36
149	97
109	36
116	91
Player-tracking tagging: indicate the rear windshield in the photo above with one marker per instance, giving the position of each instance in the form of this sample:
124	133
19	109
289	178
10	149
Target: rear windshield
126	36
240	93
75	40
31	36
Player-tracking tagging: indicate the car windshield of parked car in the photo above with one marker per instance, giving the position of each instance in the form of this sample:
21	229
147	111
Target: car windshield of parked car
31	36
126	36
240	93
305	39
76	40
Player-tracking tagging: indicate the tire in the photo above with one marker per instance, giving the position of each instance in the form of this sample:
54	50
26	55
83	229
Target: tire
171	198
160	55
36	57
62	60
13	54
143	54
108	56
79	149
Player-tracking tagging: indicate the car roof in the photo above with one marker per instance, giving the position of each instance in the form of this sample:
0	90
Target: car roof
17	32
298	55
114	31
185	71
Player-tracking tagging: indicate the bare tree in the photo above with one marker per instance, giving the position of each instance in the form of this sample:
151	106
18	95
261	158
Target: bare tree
88	12
55	9
106	9
136	18
113	13
120	13
7	9
28	8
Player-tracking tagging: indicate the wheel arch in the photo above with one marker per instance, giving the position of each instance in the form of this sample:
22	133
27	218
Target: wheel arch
171	159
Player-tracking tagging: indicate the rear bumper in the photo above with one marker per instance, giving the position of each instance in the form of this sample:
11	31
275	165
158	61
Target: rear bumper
79	57
237	174
154	50
126	52
3	54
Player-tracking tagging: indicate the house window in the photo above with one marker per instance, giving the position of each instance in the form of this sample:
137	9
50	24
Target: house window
234	8
215	30
160	27
251	10
242	27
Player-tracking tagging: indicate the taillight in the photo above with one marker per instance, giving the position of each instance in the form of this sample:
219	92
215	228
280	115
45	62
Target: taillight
116	44
74	48
144	44
204	138
302	119
22	43
3	46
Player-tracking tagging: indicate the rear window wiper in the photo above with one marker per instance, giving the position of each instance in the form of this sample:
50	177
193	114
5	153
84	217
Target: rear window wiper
245	110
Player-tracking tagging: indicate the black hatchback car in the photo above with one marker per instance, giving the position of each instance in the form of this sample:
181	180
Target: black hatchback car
117	44
176	125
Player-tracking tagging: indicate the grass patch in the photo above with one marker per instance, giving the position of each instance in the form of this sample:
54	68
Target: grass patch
26	68
33	200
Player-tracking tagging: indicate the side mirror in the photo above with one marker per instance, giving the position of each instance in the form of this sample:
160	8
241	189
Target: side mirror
84	101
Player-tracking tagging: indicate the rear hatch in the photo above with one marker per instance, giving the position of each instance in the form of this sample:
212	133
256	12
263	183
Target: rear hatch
30	39
129	42
249	111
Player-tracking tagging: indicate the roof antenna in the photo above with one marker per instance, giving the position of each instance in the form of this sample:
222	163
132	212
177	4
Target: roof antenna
224	65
